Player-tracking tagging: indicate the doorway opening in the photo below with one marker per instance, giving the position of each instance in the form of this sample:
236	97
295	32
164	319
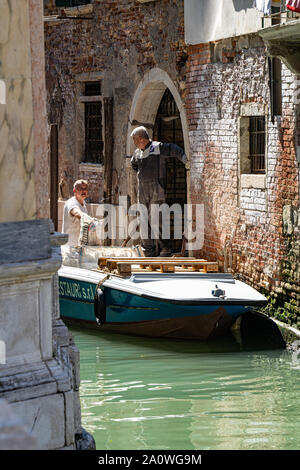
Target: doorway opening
168	129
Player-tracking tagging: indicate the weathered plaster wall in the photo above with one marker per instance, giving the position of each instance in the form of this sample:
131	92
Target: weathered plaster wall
17	188
39	364
204	19
243	220
123	41
41	151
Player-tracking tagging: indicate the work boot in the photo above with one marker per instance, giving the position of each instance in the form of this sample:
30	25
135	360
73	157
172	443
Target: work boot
149	252
165	252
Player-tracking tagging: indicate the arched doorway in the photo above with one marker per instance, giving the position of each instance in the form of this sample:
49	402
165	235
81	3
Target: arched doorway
157	105
168	129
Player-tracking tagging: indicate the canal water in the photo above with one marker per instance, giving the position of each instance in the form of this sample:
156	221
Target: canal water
139	393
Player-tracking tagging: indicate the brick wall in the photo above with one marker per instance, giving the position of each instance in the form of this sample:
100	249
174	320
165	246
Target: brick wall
243	224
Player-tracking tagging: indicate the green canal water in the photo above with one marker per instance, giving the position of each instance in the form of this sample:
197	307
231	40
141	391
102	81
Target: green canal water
139	393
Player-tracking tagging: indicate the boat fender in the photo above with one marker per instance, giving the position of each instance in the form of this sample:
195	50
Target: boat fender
100	307
218	292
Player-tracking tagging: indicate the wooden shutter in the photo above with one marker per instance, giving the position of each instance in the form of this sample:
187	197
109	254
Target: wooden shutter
108	148
54	174
275	87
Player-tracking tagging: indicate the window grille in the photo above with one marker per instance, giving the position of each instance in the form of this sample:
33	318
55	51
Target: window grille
257	139
168	106
168	129
93	132
93	122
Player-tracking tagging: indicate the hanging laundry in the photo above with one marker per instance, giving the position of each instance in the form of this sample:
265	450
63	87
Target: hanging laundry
293	5
263	5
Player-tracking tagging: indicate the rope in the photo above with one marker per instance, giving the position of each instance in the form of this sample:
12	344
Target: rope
100	283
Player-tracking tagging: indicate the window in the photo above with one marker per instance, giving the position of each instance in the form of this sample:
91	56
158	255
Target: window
93	123
92	89
257	144
93	133
252	144
275	13
71	3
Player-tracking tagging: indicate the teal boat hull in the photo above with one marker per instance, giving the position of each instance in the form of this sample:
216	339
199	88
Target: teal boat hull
142	313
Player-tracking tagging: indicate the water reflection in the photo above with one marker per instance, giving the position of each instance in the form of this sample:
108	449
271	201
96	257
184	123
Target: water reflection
139	393
256	408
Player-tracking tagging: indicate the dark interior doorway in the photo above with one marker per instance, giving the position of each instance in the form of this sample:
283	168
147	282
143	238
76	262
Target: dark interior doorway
168	129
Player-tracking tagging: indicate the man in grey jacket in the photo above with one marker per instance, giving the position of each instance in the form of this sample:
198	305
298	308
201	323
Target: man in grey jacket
150	162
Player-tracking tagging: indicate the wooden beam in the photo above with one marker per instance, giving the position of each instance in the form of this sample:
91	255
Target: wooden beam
102	261
108	147
125	266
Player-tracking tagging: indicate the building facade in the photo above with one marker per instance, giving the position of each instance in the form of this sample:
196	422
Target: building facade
204	77
244	135
109	64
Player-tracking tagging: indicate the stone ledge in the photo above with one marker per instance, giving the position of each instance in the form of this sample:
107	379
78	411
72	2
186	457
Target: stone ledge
28	240
289	333
253	109
92	167
59	239
60	374
80	10
23	382
31	380
89	76
31	270
30	393
249	181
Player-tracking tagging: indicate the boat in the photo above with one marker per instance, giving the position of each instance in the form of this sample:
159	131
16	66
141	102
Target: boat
182	298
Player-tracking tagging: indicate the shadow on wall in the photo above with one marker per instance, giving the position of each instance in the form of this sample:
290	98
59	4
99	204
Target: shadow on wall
211	194
242	4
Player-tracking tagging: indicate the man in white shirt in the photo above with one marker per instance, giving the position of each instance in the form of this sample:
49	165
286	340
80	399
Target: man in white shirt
74	208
